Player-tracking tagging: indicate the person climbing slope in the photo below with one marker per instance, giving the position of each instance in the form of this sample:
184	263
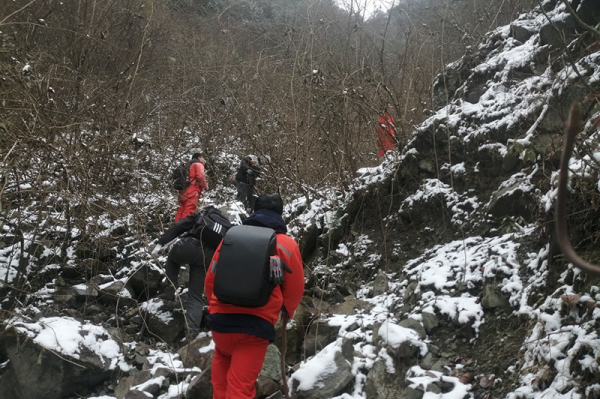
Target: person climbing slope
189	197
245	178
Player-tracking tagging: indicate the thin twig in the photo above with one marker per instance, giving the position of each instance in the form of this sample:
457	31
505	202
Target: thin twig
16	12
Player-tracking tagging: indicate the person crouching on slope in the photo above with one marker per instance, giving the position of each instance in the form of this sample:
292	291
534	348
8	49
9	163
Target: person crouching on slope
188	199
242	334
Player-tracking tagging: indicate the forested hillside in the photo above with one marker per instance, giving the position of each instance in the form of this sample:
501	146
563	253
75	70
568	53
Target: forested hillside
301	80
430	272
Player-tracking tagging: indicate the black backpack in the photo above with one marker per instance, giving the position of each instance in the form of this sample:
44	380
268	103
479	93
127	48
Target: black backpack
181	175
242	274
210	226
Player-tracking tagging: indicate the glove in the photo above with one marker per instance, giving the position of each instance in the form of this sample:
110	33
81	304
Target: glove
277	275
250	172
156	249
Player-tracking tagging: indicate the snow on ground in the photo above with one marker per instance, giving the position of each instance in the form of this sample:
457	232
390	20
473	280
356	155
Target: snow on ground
443	267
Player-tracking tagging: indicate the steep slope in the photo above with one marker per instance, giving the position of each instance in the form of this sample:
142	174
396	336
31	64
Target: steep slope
462	223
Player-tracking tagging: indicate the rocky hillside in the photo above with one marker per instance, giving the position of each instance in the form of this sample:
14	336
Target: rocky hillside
435	276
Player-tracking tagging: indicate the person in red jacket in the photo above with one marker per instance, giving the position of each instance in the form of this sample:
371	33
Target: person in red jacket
188	199
241	334
386	135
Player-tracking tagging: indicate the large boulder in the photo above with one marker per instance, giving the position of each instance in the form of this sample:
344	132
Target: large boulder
198	353
200	387
331	369
55	358
164	319
319	335
381	384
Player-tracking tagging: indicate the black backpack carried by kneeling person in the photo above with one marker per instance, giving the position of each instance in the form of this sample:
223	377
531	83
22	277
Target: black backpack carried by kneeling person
210	226
242	274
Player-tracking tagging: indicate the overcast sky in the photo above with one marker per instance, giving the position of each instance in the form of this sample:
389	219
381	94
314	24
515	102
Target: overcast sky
370	5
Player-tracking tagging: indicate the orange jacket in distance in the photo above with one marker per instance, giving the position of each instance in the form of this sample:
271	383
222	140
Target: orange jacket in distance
385	133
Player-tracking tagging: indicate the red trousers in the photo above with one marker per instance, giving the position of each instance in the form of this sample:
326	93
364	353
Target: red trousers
188	202
236	364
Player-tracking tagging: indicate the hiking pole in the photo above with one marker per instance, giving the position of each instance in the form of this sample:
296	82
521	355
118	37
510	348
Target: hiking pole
285	317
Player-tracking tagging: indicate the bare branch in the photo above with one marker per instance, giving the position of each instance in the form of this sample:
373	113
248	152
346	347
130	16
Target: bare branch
573	128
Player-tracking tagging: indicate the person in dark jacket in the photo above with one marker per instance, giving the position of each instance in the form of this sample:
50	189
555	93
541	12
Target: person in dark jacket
190	250
246	176
242	334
